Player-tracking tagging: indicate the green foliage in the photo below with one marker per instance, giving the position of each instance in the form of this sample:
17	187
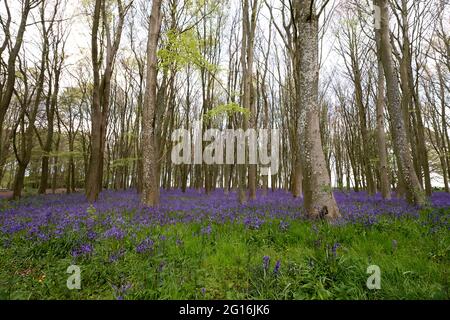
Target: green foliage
228	262
226	109
180	50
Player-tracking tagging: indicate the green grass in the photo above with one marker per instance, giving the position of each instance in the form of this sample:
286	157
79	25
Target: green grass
228	263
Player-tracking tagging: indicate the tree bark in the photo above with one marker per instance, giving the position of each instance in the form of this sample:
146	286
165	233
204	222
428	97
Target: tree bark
319	198
150	194
7	93
414	191
381	134
101	93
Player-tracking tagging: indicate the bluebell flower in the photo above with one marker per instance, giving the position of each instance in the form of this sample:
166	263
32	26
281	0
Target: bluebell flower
284	226
206	231
83	250
161	267
266	262
120	291
276	270
114	232
145	246
91	235
116	255
334	249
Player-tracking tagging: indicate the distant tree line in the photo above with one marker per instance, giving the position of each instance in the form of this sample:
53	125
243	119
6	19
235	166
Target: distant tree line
358	89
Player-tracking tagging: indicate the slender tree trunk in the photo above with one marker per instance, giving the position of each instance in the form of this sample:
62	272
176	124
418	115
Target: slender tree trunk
381	134
101	93
27	135
365	157
414	192
49	137
7	92
298	178
445	137
55	161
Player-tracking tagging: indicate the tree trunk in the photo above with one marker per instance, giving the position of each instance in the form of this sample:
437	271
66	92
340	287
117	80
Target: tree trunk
297	189
150	194
381	134
7	92
414	192
319	199
19	181
101	94
50	111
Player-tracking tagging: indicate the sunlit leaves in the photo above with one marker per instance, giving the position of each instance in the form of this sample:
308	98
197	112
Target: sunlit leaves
180	50
227	109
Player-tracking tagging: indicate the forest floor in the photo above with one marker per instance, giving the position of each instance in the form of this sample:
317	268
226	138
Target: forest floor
7	194
198	246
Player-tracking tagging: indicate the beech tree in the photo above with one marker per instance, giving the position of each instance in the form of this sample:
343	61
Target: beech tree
150	152
356	107
102	88
319	198
12	46
414	191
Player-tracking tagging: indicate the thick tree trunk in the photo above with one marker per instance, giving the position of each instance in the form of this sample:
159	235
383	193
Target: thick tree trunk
150	194
319	199
19	181
93	175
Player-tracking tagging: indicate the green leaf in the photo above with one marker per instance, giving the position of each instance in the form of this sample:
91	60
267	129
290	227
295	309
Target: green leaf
229	109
